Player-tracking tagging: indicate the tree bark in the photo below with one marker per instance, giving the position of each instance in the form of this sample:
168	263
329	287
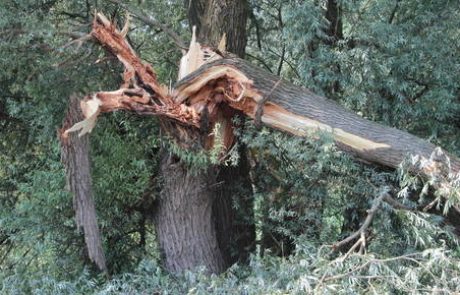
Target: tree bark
75	157
183	218
299	111
214	18
235	228
209	233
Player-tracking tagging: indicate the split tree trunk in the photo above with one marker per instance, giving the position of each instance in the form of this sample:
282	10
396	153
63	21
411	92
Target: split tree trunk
214	20
196	222
299	111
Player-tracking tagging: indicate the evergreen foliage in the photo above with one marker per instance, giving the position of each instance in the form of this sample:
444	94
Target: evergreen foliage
395	62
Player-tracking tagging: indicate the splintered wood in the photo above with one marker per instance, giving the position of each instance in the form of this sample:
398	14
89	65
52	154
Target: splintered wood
213	88
140	91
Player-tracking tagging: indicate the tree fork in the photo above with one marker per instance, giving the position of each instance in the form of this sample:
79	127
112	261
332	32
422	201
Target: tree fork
222	23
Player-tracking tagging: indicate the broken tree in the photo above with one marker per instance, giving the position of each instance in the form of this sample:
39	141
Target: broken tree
215	88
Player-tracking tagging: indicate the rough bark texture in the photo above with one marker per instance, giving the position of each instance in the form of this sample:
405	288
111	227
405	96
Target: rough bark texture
214	18
235	230
208	229
298	111
183	218
75	157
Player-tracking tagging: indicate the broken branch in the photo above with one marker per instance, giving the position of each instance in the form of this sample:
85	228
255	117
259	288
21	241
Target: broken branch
362	230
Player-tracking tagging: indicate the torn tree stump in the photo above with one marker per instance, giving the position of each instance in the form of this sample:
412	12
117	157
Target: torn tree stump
213	88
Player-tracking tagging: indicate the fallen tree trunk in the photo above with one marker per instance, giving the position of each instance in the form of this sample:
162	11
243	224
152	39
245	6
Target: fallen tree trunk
298	111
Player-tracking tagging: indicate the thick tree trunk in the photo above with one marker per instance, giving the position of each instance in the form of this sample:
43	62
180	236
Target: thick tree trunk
214	18
75	157
183	218
206	232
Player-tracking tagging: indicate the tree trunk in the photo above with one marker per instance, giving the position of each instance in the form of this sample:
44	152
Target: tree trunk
207	232
214	18
75	157
333	15
183	218
235	227
299	111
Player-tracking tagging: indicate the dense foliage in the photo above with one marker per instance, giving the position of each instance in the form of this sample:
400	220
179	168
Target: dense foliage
396	62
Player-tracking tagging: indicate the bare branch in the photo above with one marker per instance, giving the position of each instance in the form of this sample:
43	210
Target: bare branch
79	39
280	65
367	222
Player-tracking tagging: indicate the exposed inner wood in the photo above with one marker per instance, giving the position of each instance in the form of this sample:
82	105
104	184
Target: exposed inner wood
140	91
298	111
207	96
